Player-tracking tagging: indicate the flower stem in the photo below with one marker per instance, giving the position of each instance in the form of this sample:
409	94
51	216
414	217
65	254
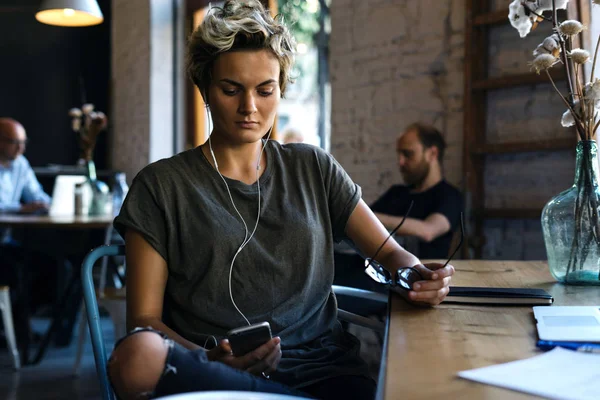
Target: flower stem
563	53
580	128
595	58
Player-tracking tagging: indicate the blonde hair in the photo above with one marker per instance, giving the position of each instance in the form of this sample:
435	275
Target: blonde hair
238	26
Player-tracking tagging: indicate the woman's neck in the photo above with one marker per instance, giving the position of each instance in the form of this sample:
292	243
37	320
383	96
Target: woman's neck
237	162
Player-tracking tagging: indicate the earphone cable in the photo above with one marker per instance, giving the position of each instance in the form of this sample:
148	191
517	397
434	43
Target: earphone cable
246	238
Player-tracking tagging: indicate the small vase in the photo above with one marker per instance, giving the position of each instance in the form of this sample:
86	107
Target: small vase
100	203
571	224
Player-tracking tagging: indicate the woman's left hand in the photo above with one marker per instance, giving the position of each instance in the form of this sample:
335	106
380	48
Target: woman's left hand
434	287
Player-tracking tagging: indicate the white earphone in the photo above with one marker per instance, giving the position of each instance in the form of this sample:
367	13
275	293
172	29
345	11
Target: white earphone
246	237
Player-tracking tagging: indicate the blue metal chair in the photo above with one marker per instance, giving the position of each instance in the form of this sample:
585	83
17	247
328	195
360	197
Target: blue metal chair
93	314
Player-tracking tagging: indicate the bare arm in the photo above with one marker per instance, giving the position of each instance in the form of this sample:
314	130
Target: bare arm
147	274
146	281
429	229
368	233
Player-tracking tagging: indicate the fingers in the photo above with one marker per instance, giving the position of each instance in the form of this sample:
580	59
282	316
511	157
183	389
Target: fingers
223	349
434	287
257	360
431	297
431	285
268	364
434	270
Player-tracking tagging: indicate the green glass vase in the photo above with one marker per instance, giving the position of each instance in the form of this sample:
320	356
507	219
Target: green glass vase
571	225
100	194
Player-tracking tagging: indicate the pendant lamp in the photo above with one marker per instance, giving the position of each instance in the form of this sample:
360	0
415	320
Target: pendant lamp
70	13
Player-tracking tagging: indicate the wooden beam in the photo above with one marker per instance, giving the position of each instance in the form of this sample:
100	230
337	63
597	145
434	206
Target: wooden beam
475	69
492	18
511	213
508	81
522	147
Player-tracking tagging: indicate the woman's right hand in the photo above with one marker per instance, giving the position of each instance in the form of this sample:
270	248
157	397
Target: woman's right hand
261	361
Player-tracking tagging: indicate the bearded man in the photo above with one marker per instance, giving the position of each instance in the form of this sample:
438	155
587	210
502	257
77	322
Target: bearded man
437	205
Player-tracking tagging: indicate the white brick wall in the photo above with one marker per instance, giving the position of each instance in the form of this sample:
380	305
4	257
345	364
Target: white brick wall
394	62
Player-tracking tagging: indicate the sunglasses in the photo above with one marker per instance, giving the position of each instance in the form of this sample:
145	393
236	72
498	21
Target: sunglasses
405	277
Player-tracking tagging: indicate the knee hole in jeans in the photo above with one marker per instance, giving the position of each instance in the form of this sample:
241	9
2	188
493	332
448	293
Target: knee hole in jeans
137	363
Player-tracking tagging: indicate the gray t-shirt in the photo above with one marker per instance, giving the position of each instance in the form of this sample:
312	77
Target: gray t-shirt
284	275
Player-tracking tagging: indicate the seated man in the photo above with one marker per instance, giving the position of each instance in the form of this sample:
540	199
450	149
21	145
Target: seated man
19	189
435	214
20	192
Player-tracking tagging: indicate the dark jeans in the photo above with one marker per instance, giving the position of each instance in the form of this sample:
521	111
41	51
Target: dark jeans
190	371
32	278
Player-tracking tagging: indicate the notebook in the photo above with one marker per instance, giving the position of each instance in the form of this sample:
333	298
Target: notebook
568	323
498	296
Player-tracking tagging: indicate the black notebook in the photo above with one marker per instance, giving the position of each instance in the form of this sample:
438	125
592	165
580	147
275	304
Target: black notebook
498	296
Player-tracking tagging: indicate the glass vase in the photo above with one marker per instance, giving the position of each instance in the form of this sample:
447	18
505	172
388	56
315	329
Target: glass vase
571	226
100	203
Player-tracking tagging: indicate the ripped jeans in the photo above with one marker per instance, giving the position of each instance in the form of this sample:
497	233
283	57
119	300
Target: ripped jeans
190	370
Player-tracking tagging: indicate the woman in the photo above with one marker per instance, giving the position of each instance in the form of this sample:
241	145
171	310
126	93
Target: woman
240	230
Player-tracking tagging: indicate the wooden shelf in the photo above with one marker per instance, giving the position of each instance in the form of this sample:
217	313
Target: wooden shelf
523	147
512	213
504	82
492	18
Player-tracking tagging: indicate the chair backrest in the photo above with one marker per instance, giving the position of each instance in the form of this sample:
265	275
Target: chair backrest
93	314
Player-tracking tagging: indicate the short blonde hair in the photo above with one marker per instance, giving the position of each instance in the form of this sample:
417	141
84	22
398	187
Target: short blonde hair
238	26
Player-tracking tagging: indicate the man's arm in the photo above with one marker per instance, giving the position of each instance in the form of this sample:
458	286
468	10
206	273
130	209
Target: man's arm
32	190
429	229
10	207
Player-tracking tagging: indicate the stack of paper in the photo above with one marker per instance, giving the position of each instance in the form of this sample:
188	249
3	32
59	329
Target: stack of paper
557	374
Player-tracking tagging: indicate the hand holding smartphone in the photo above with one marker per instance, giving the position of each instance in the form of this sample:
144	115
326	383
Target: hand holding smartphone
247	338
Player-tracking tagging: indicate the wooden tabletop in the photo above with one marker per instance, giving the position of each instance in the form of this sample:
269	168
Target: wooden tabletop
426	348
47	221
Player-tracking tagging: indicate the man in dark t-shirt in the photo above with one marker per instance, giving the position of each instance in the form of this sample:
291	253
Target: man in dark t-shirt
437	205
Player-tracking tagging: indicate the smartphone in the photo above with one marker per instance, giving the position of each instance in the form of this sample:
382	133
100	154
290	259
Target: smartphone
247	338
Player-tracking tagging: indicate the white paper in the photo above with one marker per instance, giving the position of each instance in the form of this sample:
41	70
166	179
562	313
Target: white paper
556	374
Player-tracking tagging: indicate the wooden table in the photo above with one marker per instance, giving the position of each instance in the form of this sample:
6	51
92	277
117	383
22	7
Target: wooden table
62	222
425	348
69	301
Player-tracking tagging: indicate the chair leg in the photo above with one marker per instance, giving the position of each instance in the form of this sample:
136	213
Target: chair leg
8	326
81	337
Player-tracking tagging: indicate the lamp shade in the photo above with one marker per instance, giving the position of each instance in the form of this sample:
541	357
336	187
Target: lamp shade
70	13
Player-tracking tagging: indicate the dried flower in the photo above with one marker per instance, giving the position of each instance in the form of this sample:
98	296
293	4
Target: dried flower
87	108
579	56
567	119
550	45
522	13
543	62
87	125
570	27
75	112
519	18
592	89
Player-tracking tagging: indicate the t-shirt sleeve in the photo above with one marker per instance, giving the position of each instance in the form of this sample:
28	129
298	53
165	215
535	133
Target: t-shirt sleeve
143	211
451	207
342	193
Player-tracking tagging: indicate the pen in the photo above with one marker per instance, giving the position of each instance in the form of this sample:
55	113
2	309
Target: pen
577	346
